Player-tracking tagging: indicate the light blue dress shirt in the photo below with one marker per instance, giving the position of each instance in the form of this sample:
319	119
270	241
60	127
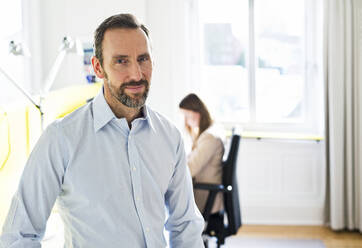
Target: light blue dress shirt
112	184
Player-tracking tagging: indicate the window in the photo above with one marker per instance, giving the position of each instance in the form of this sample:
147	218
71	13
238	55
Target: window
11	29
260	63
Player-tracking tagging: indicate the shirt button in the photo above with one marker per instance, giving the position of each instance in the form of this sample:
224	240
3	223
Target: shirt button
137	198
147	229
134	168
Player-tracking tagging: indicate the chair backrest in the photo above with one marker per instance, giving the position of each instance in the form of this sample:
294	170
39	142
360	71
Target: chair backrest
231	200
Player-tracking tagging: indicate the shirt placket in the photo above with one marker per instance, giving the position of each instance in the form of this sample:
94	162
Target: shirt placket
134	166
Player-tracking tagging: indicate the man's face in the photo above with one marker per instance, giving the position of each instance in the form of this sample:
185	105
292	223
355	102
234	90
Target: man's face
127	66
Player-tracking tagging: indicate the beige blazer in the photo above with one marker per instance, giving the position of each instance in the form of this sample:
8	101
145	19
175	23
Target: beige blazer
204	162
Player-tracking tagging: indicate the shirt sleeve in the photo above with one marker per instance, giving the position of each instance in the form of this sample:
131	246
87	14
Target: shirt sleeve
185	222
39	186
201	155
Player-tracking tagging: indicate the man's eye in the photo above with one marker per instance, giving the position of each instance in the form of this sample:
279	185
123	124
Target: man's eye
142	59
121	61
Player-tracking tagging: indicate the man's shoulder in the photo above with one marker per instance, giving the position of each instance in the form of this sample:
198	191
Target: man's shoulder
77	118
157	116
160	121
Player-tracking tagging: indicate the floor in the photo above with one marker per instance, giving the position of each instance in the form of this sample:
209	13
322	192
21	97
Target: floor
54	235
330	238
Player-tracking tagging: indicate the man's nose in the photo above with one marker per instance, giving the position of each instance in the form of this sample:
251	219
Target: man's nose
135	72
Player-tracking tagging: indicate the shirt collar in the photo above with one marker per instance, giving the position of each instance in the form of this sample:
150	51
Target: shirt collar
146	116
102	113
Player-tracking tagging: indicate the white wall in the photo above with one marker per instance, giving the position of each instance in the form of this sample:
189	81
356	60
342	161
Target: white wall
170	41
282	181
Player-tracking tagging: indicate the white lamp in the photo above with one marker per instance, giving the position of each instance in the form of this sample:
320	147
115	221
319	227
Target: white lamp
17	49
67	46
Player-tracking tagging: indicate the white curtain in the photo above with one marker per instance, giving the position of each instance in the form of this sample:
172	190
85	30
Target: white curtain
343	71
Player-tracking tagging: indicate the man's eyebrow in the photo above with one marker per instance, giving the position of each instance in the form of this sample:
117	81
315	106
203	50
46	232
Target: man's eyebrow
144	55
120	56
126	56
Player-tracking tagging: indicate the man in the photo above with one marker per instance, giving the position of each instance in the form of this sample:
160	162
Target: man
112	165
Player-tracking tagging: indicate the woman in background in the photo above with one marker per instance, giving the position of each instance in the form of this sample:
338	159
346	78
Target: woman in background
205	159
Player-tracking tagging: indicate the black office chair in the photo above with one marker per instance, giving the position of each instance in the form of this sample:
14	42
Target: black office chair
215	226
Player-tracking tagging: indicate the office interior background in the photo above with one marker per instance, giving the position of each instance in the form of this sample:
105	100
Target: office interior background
285	74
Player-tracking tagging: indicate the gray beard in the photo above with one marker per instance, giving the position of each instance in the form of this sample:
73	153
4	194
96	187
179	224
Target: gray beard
127	100
131	102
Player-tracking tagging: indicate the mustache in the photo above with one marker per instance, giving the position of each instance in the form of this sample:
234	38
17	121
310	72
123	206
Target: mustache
135	83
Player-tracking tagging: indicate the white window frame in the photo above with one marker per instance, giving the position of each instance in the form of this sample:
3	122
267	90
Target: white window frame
31	11
29	37
313	84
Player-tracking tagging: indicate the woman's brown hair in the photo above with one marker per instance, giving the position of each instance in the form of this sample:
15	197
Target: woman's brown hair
193	102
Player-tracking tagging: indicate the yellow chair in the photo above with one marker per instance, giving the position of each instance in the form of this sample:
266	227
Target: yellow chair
13	135
59	103
5	146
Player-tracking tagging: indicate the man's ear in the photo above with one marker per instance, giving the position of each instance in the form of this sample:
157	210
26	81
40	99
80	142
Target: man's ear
97	67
